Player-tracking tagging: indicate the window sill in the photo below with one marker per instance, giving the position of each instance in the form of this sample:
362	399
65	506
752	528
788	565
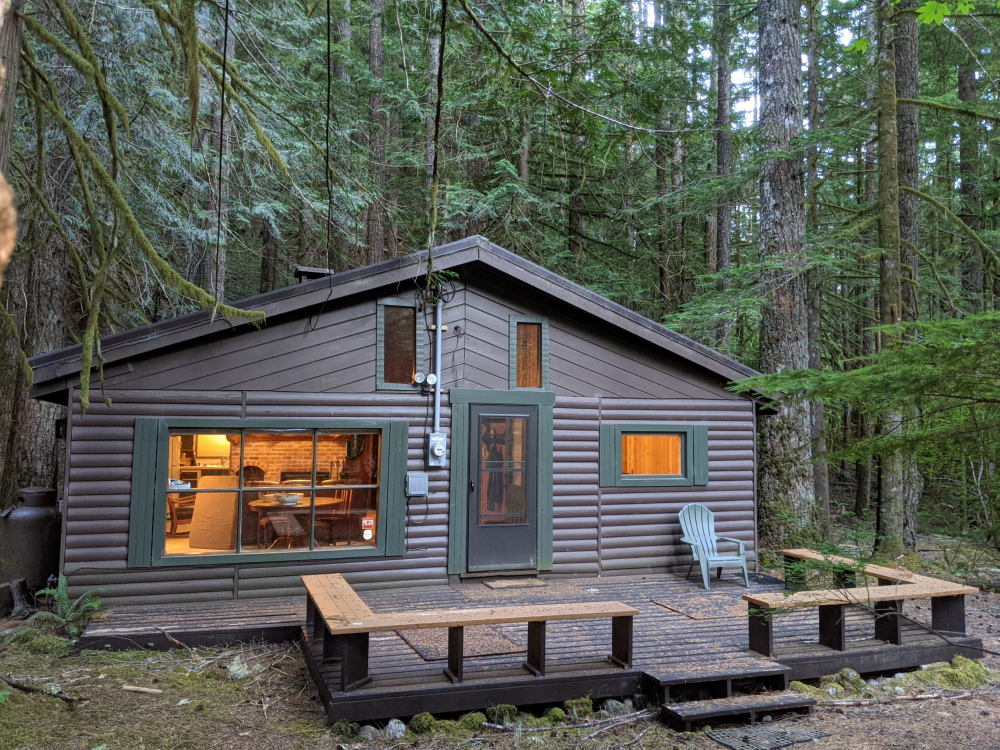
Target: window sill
292	555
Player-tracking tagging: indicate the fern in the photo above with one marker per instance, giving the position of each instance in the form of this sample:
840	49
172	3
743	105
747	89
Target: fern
71	615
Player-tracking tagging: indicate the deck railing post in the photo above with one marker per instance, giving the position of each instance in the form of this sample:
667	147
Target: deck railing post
761	630
353	661
832	626
948	613
536	649
456	654
621	641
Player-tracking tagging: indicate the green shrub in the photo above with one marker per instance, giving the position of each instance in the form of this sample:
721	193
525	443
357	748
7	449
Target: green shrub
71	615
502	714
472	722
579	707
423	724
554	714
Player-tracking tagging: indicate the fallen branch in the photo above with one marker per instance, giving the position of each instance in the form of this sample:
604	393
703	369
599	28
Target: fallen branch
172	639
614	721
873	701
137	689
26	688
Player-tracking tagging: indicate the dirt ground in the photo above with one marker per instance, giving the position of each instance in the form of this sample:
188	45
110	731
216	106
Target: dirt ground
262	697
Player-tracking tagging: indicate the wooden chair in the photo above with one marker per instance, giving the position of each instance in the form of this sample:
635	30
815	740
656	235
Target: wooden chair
698	526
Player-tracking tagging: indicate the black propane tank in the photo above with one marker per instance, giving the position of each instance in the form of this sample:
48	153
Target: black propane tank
29	537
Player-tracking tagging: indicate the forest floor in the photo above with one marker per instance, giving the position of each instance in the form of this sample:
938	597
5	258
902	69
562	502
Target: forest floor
262	697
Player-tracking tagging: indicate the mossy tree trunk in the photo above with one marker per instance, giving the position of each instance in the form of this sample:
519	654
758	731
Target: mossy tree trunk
786	489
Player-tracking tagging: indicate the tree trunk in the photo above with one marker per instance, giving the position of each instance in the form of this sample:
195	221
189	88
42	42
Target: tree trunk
10	54
341	71
821	472
973	283
723	165
577	220
525	166
786	478
269	276
890	506
908	126
214	264
377	125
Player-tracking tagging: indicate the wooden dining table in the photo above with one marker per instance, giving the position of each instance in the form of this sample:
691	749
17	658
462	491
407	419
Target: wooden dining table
304	505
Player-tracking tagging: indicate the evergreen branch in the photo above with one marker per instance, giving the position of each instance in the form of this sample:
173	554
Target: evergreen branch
262	138
82	67
957	220
949	108
937	278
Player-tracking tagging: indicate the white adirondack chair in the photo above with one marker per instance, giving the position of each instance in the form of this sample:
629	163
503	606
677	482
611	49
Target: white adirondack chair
698	525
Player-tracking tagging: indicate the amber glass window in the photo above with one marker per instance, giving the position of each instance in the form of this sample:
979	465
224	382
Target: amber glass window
400	350
257	490
529	355
652	454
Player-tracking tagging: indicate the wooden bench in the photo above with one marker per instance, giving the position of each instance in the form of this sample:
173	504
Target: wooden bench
338	615
886	599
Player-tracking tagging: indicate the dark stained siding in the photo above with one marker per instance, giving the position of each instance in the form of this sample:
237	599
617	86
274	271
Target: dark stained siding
639	527
97	499
583	361
575	486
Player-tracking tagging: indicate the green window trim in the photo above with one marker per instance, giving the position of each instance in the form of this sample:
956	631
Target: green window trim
380	306
461	399
695	455
150	466
512	351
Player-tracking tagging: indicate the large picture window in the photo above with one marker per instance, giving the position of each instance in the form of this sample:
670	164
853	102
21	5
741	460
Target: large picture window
271	490
233	490
399	344
653	455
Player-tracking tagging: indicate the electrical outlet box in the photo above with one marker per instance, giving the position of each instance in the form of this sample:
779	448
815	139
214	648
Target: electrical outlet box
417	484
437	449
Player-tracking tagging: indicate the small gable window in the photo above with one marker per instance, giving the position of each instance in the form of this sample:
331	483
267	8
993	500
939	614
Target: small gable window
399	344
529	352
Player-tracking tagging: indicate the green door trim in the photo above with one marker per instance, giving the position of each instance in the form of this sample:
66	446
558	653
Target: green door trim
458	528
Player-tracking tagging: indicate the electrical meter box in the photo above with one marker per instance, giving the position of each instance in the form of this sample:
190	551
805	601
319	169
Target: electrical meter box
437	448
417	483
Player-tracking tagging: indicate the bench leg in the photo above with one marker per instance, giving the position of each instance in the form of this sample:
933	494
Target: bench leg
888	623
331	646
456	654
315	620
621	641
536	649
761	631
795	573
832	627
948	613
353	661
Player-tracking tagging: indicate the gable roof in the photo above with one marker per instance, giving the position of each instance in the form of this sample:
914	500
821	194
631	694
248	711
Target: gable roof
55	372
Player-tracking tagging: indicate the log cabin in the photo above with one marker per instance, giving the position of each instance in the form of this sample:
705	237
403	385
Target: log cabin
515	424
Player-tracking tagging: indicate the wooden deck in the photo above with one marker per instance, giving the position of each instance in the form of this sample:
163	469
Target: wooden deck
677	656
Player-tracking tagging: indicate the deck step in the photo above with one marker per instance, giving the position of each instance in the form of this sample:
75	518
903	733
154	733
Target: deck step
683	716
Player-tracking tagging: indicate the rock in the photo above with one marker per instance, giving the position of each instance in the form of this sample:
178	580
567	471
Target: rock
368	732
394	730
899	676
602	715
767	719
615	708
898	690
629	705
6	600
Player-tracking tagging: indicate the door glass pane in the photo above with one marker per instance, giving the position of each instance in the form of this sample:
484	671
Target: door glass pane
400	344
529	355
503	470
652	454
